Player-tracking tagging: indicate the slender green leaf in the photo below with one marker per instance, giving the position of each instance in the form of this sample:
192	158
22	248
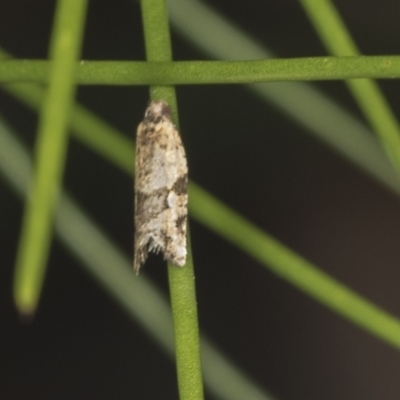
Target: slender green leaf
181	280
209	72
50	154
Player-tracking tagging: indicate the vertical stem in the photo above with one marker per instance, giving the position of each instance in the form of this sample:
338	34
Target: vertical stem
181	280
50	152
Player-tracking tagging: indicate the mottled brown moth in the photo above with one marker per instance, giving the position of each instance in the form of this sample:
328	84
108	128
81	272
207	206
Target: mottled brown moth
161	177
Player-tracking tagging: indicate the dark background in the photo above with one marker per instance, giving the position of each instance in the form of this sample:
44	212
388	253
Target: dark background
81	345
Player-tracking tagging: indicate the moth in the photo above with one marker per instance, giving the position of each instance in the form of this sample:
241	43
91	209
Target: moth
161	180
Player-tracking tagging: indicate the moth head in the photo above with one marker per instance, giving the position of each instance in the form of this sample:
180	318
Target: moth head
157	109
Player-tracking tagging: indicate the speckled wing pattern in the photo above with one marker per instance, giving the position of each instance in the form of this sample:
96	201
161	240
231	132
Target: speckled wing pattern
161	177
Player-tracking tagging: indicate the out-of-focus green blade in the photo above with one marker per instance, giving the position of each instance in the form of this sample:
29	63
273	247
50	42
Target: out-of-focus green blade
50	154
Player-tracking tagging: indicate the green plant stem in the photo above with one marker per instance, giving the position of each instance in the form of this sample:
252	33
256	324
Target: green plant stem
50	154
181	280
336	38
209	72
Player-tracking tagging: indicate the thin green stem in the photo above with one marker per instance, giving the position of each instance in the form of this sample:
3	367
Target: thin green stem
209	72
336	38
50	154
181	280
